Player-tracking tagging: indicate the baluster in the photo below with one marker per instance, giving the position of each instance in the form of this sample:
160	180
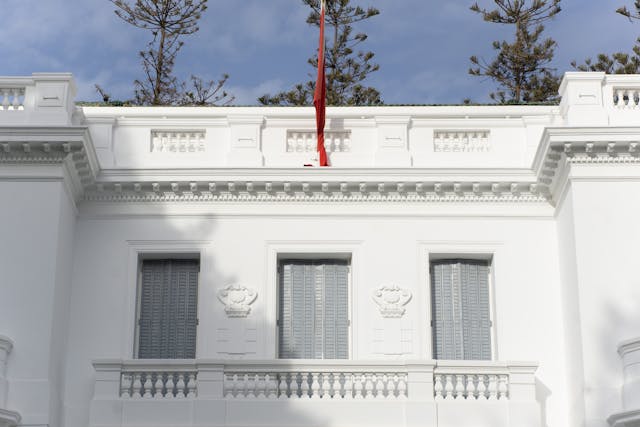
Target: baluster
180	387
368	386
438	387
158	386
191	386
337	391
290	144
482	388
502	388
471	388
391	381
346	143
191	142
182	142
379	386
282	386
358	386
165	142
137	386
241	386
272	386
299	143
147	386
5	99
295	386
169	386
315	386
448	387
229	385
493	387
200	142
402	386
16	99
251	386
125	385
326	386
346	389
636	98
459	388
261	386
304	385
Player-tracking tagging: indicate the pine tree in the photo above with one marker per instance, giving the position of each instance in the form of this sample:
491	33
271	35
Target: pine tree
619	62
521	68
168	21
346	70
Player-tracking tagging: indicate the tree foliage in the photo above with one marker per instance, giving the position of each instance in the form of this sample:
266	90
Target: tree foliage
521	67
169	21
619	62
346	69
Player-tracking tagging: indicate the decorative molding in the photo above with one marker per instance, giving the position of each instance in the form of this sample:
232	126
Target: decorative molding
237	300
177	141
461	141
391	300
9	418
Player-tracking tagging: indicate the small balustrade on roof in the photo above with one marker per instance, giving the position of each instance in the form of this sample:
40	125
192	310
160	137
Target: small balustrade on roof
11	98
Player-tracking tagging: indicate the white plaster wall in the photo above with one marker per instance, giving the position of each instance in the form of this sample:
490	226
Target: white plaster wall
235	249
607	233
35	260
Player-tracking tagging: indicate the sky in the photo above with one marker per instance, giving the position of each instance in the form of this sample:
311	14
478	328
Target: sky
422	46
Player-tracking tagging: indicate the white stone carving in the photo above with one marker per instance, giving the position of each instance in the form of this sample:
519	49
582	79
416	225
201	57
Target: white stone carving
11	98
391	300
237	300
177	141
305	141
474	141
626	98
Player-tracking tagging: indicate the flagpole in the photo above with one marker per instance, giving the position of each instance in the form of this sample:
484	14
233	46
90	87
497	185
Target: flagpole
320	93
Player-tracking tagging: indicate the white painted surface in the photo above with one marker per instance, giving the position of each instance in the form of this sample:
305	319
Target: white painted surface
546	196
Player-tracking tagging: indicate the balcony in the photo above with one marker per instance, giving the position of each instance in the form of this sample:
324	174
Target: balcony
313	392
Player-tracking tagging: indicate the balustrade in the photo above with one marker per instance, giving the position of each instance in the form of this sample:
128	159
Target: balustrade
303	141
471	386
11	98
158	384
178	141
315	385
626	98
461	141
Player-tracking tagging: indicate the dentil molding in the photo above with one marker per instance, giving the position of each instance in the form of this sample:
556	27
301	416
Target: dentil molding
237	300
391	300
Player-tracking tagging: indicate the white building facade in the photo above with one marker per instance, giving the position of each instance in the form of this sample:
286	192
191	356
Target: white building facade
455	266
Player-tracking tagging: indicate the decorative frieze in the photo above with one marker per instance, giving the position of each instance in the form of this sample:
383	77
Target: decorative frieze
391	300
305	141
463	141
177	141
237	300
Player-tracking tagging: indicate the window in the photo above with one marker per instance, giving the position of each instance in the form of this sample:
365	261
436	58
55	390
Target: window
313	309
167	308
460	309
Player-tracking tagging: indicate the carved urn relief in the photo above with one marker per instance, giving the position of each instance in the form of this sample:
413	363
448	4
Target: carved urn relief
391	300
237	300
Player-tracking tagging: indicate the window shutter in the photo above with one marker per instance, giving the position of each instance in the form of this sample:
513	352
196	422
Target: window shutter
460	307
313	309
168	309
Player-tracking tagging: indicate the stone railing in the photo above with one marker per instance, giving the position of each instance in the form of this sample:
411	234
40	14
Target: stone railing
476	141
305	141
457	381
12	98
177	141
326	381
626	98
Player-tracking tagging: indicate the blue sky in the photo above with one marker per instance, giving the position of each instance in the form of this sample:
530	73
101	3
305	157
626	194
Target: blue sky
422	46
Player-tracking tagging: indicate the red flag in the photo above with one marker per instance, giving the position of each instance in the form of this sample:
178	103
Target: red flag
320	94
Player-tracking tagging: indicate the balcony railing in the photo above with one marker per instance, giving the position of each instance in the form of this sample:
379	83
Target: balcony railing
235	384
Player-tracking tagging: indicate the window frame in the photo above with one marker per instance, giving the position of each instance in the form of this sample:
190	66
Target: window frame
277	250
437	250
137	250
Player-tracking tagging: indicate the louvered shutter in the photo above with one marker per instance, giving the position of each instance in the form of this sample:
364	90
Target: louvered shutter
168	309
460	310
313	315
